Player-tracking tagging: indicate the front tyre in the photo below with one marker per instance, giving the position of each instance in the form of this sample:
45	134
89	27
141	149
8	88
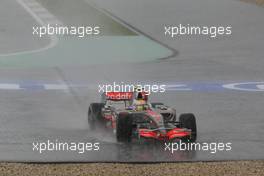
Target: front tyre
94	115
188	121
124	128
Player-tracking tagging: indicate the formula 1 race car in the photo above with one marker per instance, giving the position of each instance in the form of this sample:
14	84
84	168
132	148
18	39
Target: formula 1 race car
150	120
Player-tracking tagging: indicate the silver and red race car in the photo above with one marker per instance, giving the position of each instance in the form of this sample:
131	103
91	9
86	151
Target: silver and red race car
151	120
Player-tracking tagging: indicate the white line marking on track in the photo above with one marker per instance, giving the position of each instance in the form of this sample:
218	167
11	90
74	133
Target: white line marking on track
30	11
260	86
55	87
54	22
235	86
178	87
45	15
33	5
40	10
34	9
10	87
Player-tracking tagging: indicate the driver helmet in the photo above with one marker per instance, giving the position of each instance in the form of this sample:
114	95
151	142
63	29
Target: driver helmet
140	94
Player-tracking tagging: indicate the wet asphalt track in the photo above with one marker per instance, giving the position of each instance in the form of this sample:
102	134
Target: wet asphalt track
34	114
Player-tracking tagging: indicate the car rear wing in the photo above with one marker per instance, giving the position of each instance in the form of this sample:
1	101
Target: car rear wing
119	96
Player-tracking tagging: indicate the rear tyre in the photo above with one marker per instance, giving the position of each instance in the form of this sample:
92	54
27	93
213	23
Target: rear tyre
94	115
124	128
188	121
